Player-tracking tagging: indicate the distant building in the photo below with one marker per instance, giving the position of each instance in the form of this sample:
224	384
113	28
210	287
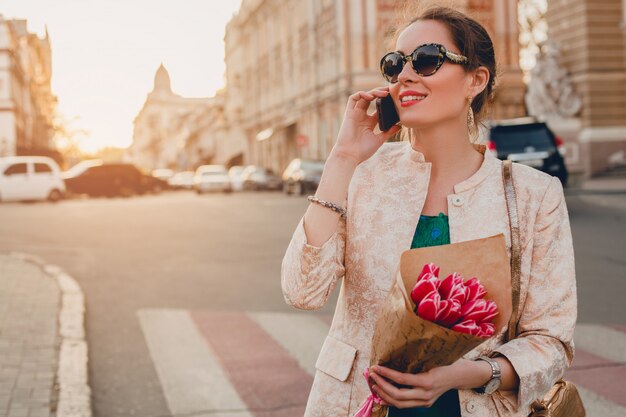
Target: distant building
26	100
166	122
291	65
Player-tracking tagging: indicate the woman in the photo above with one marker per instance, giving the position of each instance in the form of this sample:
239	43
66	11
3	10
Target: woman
437	188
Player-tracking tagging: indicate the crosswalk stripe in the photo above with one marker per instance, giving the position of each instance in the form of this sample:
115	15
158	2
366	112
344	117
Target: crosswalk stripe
302	335
269	380
192	380
602	341
597	406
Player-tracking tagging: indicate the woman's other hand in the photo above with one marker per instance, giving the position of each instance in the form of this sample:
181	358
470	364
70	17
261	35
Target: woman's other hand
425	388
356	140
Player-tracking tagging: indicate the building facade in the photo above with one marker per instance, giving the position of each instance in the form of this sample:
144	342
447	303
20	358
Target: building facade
171	131
291	65
591	38
26	100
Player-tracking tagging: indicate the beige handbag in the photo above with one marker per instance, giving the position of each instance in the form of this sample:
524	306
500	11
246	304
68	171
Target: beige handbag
563	400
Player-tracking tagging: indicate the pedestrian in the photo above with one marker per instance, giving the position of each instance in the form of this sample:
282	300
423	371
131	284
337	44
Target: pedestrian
376	200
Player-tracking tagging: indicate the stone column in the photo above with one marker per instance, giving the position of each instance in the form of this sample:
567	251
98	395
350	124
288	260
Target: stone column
500	19
593	50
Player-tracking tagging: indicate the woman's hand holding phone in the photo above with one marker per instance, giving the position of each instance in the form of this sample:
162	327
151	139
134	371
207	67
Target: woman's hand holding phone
356	140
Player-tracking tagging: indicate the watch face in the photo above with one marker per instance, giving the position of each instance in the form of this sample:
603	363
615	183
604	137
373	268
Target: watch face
492	386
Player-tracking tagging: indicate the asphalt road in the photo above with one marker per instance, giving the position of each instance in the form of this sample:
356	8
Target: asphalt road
222	253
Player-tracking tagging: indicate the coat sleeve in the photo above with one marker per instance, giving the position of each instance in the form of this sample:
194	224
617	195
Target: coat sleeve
544	347
309	273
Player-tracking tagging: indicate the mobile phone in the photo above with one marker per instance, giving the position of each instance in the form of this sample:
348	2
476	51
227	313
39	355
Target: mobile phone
387	113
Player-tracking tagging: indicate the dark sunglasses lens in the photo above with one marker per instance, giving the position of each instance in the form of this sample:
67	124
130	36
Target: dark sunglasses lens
391	66
426	59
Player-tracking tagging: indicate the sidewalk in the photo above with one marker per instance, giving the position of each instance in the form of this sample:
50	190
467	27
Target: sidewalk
607	190
43	354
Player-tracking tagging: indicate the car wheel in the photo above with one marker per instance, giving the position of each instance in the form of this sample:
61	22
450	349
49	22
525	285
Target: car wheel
55	195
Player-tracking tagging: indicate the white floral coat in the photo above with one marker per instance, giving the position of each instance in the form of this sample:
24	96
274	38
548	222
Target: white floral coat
384	202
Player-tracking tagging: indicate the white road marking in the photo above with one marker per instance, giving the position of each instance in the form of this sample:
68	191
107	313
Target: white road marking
601	341
597	406
192	379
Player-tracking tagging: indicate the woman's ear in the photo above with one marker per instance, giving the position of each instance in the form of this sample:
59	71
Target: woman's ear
480	79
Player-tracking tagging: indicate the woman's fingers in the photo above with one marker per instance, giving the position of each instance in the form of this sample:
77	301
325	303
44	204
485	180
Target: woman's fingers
362	99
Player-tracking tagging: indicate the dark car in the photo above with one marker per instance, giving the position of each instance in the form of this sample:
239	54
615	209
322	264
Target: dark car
107	179
302	176
257	178
529	142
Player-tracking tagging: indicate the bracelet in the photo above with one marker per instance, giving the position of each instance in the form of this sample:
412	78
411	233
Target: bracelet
334	207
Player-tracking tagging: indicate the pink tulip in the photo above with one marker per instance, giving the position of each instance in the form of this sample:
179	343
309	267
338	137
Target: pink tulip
475	290
467	327
429	268
453	288
480	310
449	312
427	284
487	329
430	306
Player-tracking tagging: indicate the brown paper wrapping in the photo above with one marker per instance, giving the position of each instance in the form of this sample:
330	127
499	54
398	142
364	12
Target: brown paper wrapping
405	342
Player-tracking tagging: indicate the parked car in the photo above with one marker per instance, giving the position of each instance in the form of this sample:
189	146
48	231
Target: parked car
182	180
30	178
258	178
302	176
529	142
235	173
212	178
162	173
96	178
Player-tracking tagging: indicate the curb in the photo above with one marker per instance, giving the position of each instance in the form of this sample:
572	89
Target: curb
74	394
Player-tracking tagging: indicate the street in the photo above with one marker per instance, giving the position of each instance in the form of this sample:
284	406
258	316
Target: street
183	293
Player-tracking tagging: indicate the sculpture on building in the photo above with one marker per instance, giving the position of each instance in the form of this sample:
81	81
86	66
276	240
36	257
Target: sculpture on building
550	91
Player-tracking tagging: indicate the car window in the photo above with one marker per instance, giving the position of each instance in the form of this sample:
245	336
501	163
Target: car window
41	167
14	169
516	139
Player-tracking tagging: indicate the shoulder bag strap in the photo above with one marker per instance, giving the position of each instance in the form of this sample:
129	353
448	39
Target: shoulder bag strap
516	260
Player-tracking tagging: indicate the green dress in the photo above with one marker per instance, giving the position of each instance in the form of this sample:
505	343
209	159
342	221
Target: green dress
432	231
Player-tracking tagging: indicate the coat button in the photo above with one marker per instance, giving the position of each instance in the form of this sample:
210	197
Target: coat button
470	406
457	200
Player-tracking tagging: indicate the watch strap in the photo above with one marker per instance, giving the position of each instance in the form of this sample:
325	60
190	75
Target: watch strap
496	373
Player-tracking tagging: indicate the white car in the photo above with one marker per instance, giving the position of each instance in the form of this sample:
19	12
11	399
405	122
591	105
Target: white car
30	178
182	180
236	177
212	178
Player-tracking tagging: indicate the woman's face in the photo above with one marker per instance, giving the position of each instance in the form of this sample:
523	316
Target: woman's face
445	91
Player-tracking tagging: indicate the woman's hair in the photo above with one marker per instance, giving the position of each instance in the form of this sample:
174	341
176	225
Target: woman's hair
469	36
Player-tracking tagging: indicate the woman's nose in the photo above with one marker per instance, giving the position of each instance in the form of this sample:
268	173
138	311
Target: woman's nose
407	74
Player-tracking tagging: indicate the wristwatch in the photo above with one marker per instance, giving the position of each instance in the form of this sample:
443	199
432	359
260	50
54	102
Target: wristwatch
494	383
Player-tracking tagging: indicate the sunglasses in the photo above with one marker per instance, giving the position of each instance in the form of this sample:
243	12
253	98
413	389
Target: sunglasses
425	59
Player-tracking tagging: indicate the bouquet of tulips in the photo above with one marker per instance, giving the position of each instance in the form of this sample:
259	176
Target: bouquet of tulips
453	303
426	322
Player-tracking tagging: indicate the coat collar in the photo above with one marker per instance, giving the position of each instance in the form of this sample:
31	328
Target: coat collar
490	163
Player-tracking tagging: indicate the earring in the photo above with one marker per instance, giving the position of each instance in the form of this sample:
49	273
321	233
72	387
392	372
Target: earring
471	125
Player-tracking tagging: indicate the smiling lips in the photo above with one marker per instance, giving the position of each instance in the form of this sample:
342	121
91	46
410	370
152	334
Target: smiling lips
409	98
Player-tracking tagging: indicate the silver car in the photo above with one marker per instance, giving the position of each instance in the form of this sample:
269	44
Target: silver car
212	178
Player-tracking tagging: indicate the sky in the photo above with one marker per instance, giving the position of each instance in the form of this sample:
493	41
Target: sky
105	54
